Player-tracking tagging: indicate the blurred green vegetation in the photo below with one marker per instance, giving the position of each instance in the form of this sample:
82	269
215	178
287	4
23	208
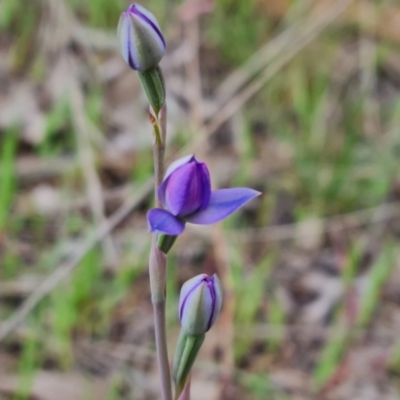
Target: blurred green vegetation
335	168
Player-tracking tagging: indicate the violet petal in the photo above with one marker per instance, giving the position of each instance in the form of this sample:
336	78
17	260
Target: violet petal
162	221
184	190
206	185
178	163
175	165
223	203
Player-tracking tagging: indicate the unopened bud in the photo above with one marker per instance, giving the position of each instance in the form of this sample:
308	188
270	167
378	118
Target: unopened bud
200	303
141	40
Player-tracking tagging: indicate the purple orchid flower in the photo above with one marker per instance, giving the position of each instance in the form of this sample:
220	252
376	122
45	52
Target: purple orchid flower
141	41
200	303
187	197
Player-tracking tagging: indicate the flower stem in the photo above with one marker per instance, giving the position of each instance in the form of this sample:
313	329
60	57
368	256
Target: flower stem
159	123
185	395
162	353
158	263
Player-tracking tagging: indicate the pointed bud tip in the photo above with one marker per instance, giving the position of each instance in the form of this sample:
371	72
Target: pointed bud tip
141	41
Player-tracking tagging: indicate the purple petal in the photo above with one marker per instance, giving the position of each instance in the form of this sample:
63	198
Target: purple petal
178	163
205	185
162	221
223	203
182	190
188	189
175	165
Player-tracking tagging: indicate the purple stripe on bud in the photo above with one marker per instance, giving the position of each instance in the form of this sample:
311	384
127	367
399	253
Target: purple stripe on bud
134	8
211	288
200	303
141	41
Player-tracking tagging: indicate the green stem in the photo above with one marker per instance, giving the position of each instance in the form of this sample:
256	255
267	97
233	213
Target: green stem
152	82
186	391
187	348
158	269
165	242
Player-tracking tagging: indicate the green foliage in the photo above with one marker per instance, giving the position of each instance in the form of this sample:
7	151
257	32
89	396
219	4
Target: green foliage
56	120
94	104
276	318
335	347
28	367
249	28
249	292
7	174
335	168
11	264
376	278
145	167
330	357
114	388
8	11
99	13
27	18
261	386
351	266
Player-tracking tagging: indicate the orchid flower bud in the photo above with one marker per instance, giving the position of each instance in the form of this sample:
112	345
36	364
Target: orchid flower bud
199	306
143	46
200	303
141	41
187	197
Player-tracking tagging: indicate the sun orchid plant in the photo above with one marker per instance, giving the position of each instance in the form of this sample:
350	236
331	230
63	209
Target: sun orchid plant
183	195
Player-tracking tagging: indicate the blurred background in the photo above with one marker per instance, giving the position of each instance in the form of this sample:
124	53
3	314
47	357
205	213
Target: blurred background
296	98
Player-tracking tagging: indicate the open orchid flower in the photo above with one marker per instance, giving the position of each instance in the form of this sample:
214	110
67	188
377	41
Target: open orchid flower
187	197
